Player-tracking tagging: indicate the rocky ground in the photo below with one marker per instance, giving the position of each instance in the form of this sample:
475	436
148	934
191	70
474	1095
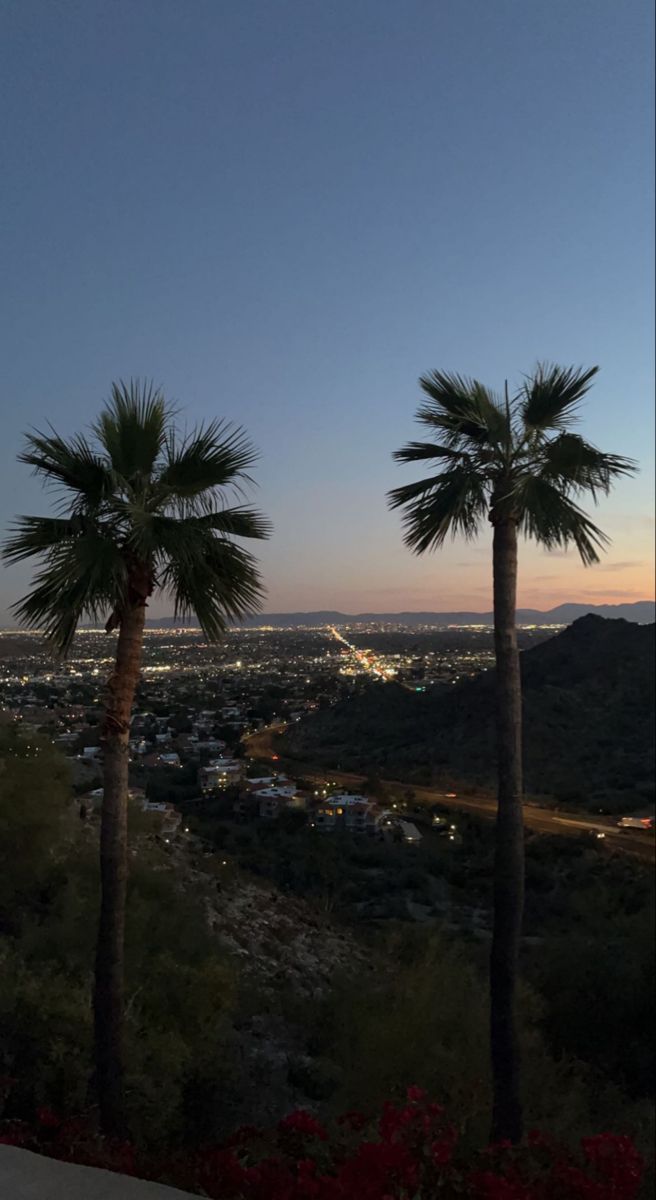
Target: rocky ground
288	955
281	941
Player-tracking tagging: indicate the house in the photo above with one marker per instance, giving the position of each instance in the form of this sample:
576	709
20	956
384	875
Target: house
410	833
94	798
272	800
285	790
220	774
171	818
268	781
66	739
171	823
353	813
211	745
169	760
362	818
35	715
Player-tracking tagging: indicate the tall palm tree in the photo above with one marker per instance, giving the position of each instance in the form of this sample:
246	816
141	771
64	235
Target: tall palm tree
517	464
142	509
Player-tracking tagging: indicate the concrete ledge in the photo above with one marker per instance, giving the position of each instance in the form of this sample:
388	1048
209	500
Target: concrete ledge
28	1176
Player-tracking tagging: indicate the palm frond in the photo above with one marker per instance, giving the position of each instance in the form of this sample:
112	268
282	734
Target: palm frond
454	502
71	464
219	585
31	536
463	410
238	521
132	428
419	489
576	464
214	455
549	516
550	397
156	537
418	451
85	576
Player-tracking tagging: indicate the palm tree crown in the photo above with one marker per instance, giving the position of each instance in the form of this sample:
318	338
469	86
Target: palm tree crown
516	460
141	507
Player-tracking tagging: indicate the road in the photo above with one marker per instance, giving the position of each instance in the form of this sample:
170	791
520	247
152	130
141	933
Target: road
542	820
364	658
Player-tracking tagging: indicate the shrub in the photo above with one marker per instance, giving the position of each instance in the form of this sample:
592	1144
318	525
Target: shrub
410	1151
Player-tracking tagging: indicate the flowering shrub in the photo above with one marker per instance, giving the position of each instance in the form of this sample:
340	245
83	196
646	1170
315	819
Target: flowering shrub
410	1152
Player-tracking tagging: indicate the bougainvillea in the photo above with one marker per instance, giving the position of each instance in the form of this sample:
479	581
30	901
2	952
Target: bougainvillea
410	1151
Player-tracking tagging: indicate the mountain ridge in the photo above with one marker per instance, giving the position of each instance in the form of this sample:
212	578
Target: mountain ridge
641	611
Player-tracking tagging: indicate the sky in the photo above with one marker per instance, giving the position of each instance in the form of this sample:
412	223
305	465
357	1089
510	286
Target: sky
285	211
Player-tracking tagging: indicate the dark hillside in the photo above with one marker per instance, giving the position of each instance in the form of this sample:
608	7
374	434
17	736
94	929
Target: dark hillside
588	722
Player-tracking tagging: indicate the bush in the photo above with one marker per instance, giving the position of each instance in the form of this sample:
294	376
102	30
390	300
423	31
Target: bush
423	1014
180	985
411	1151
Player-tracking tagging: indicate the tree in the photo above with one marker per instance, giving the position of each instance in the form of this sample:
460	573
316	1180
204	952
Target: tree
519	465
35	802
143	509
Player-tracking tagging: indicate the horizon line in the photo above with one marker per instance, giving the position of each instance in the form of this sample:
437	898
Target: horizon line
338	612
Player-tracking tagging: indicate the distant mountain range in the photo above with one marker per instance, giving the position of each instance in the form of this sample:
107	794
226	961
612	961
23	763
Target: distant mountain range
588	723
642	611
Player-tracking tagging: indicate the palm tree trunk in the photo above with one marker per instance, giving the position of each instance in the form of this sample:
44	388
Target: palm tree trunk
108	992
509	855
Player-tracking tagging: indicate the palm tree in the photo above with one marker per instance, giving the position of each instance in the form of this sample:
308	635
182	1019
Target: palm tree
142	509
517	464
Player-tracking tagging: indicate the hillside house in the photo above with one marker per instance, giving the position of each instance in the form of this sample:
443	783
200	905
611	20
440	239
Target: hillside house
220	774
409	832
353	813
169	760
273	800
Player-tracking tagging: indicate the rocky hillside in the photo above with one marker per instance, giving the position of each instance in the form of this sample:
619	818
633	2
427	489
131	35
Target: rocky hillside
588	722
288	958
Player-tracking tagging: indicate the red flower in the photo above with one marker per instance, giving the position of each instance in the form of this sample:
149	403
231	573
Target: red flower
353	1120
487	1185
616	1162
410	1156
374	1167
442	1150
14	1136
304	1123
393	1120
244	1134
220	1173
45	1116
535	1137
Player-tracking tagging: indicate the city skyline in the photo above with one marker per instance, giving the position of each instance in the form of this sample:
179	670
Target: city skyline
284	217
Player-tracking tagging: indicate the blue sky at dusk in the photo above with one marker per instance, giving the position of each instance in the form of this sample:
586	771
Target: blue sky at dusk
285	210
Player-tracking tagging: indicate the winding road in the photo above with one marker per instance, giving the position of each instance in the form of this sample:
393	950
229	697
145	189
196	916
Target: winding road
640	844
